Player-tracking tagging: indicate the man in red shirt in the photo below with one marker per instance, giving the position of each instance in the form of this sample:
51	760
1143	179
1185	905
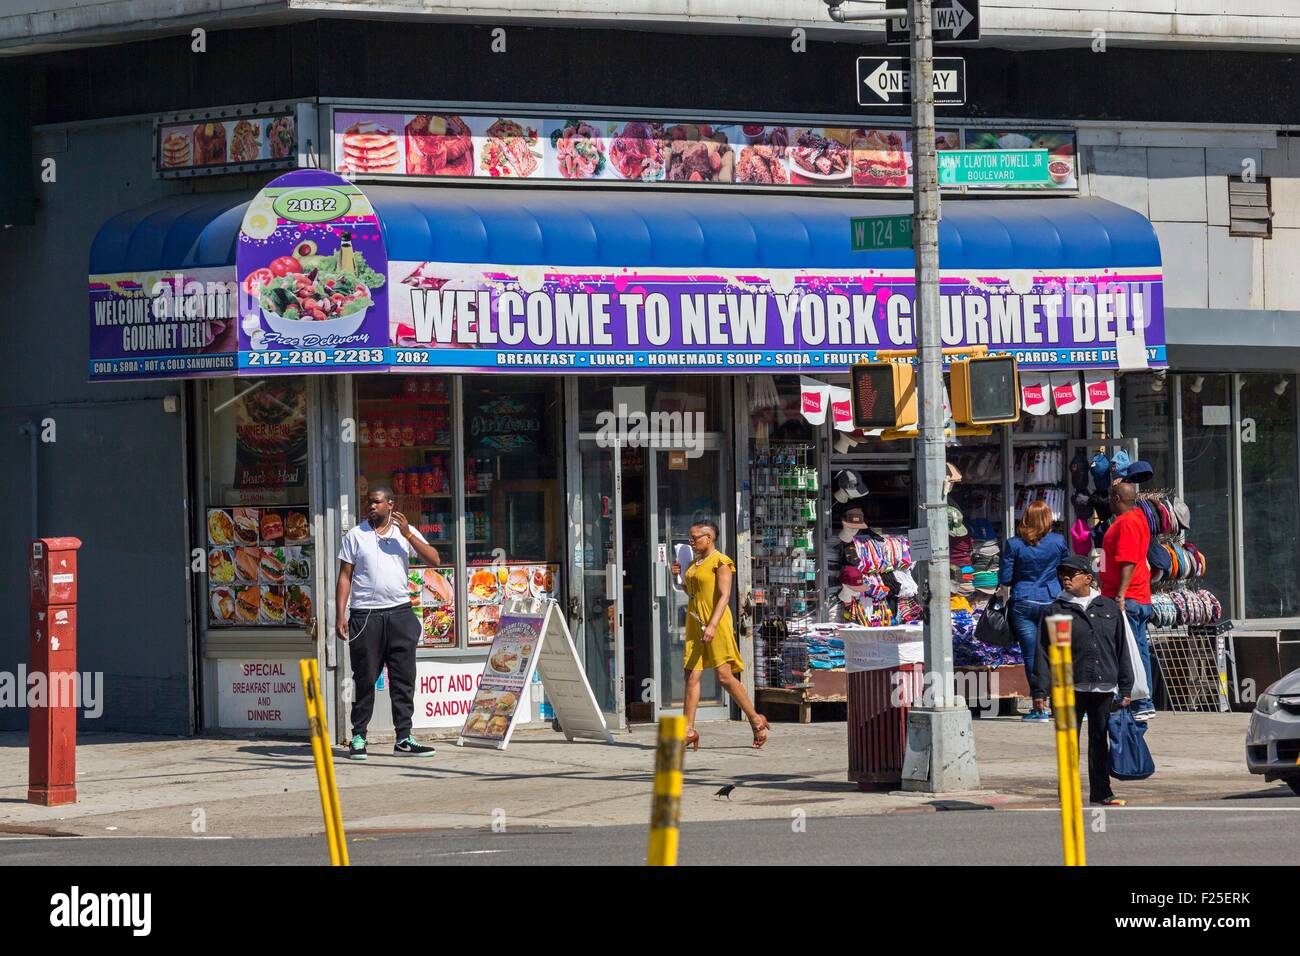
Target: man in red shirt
1126	576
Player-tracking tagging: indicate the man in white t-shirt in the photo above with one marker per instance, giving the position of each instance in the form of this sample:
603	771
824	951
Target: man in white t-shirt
375	618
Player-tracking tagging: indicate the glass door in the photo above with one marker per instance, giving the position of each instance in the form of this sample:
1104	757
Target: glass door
600	588
683	490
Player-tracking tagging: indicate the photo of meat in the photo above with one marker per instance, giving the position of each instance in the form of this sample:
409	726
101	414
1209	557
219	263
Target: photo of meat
281	137
820	155
368	146
511	148
176	149
245	146
638	151
881	157
209	144
578	150
439	145
762	159
698	152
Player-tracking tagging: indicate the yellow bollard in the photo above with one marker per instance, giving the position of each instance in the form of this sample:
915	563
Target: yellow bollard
666	807
331	809
1061	656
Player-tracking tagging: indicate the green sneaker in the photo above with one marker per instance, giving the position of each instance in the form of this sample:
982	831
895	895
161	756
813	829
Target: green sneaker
410	748
357	748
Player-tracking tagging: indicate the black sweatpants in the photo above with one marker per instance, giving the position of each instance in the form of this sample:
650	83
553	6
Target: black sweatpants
1097	707
375	638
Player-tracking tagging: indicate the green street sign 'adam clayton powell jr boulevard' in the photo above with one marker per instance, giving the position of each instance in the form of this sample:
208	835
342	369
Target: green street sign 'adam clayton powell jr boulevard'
994	167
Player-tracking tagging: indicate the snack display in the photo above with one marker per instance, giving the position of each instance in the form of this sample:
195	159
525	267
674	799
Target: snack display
272	605
483	622
439	145
484	587
221	606
881	157
244	143
247	525
439	627
221	566
176	149
209	144
298	605
579	150
819	154
248	604
638	151
698	152
370	147
221	528
247	563
511	149
281	137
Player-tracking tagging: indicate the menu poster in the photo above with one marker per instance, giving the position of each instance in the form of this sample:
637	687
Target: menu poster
494	586
433	597
507	674
271	436
209	144
259	567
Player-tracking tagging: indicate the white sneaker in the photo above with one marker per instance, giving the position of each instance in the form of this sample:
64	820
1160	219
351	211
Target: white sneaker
1144	715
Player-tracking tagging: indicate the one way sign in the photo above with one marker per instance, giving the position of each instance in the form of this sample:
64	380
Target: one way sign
953	21
887	81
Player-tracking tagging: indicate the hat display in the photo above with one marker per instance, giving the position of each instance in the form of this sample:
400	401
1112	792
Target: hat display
956	523
1100	472
851	577
1120	461
986	581
1160	559
854	518
1138	472
953	477
849	485
1183	514
1079	470
1083	509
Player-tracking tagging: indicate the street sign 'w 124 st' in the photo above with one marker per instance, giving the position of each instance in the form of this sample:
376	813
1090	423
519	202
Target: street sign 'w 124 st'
951	21
887	81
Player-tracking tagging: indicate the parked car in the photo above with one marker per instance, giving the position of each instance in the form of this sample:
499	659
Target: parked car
1273	739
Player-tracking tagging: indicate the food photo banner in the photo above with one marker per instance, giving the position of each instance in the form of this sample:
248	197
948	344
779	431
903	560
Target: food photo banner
233	139
533	319
578	148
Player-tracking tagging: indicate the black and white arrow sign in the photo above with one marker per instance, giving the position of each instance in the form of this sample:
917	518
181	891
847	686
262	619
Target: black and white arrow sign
887	81
953	21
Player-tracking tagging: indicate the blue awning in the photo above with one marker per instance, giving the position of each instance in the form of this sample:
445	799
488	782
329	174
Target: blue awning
590	227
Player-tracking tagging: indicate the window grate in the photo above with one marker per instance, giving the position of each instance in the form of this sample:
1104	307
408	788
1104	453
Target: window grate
1250	207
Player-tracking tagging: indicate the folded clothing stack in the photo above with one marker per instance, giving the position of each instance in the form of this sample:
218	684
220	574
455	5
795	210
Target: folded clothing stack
968	652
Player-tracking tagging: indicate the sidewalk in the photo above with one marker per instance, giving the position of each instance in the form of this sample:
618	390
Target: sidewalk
137	786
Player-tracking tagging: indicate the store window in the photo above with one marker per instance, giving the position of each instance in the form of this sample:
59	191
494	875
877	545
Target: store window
258	528
1146	413
1270	498
404	441
1207	473
514	499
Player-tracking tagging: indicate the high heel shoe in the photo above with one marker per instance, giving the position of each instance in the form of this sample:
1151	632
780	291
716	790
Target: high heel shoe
760	732
692	740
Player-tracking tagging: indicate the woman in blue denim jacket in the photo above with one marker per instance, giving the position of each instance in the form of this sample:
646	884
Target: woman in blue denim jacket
1029	563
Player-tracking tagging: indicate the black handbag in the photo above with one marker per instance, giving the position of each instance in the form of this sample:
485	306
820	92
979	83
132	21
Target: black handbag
994	627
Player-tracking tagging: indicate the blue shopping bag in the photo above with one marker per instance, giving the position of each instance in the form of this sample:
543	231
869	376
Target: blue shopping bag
1130	758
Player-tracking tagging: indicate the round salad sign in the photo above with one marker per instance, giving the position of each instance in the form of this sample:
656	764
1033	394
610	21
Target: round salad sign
312	271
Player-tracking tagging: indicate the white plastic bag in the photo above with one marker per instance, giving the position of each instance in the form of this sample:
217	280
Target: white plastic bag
1140	689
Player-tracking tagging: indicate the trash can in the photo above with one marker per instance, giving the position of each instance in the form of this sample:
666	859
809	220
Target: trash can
886	674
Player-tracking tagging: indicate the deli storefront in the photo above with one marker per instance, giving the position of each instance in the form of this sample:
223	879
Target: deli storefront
556	383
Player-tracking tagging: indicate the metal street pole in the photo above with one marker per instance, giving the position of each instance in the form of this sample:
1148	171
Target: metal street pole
940	745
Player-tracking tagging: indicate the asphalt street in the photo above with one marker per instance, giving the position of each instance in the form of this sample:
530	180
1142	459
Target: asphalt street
1255	830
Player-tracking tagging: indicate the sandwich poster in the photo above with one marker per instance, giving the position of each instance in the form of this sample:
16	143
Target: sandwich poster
506	677
260	563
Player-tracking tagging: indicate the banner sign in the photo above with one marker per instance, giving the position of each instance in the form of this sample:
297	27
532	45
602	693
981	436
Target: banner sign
312	267
231	139
658	150
534	319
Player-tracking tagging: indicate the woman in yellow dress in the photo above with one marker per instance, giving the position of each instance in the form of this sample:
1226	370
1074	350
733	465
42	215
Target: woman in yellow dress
710	634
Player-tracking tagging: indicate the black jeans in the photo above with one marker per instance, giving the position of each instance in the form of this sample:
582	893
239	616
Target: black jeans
1097	707
375	638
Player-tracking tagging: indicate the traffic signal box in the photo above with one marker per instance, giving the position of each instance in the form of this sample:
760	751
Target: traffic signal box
985	390
884	395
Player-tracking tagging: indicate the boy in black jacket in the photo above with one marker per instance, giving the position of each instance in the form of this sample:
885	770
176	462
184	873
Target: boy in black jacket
1102	670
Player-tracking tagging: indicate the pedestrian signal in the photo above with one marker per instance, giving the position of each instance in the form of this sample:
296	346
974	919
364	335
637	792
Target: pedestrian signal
884	395
985	390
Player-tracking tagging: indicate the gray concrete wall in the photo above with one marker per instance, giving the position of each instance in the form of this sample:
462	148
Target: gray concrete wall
115	474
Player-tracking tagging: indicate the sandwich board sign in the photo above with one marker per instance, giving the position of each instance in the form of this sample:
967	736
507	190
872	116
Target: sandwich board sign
532	635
